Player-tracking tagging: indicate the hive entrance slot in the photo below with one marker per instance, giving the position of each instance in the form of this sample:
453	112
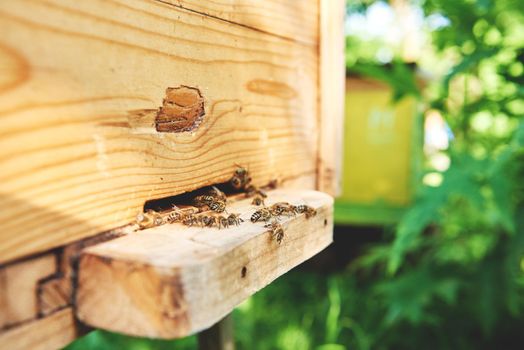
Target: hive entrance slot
185	199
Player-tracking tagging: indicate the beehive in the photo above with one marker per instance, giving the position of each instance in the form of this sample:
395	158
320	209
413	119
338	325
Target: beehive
382	147
107	105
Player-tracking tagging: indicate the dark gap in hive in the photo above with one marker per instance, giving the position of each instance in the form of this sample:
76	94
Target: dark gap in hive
186	199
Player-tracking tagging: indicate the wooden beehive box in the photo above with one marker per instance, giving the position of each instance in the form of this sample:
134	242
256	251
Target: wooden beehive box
106	105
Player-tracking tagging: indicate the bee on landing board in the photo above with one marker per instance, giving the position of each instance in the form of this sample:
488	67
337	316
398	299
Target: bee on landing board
253	190
190	220
217	194
234	219
263	214
282	208
258	200
309	211
218	206
208	220
149	218
203	200
223	222
276	230
178	215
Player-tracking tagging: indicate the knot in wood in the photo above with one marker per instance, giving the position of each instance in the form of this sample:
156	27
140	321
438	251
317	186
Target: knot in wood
182	110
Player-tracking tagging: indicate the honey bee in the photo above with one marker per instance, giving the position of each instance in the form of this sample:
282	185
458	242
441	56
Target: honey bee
272	184
309	211
240	179
253	190
234	219
277	231
178	215
217	194
223	222
258	200
203	200
263	214
282	208
217	206
174	216
208	220
149	219
189	220
159	220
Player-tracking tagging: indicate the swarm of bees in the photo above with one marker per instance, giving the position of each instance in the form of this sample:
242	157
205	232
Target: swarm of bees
215	201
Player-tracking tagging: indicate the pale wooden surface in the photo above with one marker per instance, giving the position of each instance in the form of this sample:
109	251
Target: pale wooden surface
52	332
80	79
332	92
171	281
18	289
296	20
220	336
54	295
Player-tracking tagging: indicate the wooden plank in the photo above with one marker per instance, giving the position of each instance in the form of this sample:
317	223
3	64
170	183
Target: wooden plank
56	293
84	81
18	288
52	332
296	20
219	336
172	280
332	79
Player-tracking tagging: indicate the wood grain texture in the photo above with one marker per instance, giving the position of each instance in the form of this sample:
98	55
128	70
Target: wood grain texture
171	281
332	92
52	332
19	289
54	295
78	153
295	20
57	292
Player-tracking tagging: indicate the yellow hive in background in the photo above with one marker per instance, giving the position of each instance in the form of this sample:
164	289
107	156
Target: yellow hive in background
382	145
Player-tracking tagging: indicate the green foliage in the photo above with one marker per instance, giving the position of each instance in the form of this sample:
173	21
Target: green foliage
458	251
451	275
398	75
102	340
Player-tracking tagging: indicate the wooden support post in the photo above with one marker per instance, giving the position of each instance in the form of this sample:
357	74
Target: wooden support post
219	336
